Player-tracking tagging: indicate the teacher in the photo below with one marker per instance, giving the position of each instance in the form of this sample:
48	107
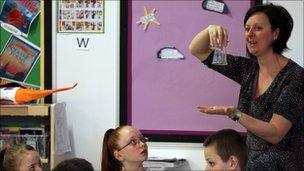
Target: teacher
271	100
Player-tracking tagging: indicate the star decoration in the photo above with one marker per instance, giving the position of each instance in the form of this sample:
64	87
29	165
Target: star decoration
148	18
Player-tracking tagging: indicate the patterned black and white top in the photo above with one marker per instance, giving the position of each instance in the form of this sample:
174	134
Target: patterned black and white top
285	96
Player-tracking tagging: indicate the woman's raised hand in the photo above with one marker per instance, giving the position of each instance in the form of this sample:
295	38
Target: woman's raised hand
218	36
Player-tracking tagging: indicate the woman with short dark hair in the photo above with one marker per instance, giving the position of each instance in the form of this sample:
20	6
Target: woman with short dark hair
271	99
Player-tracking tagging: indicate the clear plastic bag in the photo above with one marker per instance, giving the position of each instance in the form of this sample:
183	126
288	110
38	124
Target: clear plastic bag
219	57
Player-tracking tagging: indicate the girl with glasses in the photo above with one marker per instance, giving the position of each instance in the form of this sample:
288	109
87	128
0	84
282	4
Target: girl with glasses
124	148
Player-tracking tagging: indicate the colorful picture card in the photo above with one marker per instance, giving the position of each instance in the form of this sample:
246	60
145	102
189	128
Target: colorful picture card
18	58
16	16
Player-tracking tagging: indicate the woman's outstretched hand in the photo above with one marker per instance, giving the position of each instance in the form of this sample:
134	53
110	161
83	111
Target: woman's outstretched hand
217	110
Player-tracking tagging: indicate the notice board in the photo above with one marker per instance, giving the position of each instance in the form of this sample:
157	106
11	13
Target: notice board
33	20
158	94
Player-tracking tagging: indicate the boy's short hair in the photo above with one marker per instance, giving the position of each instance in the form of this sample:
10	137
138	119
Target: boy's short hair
228	142
74	164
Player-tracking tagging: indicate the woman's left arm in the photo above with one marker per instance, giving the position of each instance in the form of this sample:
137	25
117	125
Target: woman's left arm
272	131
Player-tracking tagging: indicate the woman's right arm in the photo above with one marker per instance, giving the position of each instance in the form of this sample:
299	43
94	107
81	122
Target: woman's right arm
212	36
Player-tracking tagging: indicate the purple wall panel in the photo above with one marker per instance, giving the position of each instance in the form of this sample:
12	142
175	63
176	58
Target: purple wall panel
164	94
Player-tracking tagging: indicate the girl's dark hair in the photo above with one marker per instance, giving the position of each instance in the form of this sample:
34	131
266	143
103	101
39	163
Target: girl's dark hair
279	18
110	139
74	164
229	142
9	156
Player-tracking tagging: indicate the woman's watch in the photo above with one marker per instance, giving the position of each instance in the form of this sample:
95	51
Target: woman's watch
236	115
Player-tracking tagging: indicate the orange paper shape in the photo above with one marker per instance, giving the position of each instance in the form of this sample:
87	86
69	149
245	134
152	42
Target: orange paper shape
24	95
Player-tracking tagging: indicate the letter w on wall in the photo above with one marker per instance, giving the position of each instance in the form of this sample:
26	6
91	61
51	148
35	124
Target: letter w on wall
83	42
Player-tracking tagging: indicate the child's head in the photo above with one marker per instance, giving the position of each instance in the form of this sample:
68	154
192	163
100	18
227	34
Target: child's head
225	150
122	147
74	164
20	157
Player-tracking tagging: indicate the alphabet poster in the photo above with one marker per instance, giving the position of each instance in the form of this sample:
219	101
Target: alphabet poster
81	16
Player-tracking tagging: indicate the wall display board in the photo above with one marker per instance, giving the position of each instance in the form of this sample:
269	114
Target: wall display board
25	43
161	82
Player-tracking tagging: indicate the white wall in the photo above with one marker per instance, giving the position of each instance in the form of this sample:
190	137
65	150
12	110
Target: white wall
295	43
93	106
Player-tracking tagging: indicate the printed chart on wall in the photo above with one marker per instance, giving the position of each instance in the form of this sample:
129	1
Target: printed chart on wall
20	43
79	16
165	82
